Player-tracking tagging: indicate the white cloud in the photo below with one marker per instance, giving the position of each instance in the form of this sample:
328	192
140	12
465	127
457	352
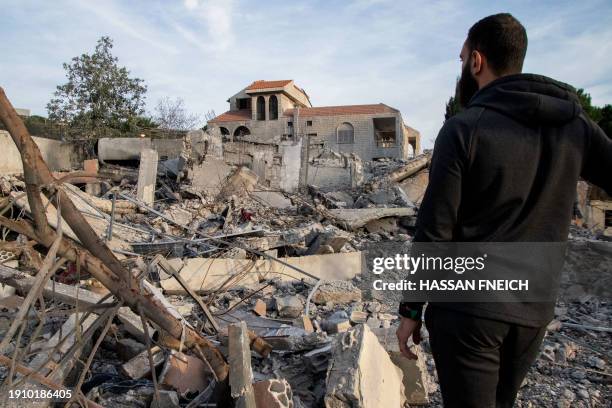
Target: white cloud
217	17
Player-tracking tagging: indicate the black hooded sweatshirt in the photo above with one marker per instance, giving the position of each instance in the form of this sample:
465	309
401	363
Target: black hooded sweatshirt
505	170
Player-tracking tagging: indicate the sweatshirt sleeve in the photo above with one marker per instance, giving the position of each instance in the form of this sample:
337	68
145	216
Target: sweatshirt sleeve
597	167
439	209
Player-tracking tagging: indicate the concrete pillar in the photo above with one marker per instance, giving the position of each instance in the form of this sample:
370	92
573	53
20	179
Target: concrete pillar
241	375
147	176
92	166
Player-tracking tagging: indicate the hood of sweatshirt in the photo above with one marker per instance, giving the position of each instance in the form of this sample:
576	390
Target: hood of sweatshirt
530	99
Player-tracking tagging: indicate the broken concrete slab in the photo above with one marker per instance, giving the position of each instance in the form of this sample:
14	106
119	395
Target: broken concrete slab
361	374
147	176
209	274
242	181
272	199
241	375
336	291
355	218
208	176
415	377
273	393
139	367
414	187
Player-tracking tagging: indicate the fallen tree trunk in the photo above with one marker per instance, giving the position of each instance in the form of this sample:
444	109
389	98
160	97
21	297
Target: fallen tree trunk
104	266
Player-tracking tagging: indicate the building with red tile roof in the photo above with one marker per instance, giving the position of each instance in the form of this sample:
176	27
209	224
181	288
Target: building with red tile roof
269	112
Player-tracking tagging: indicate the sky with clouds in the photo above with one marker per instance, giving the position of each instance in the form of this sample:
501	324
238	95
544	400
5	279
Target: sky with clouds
402	53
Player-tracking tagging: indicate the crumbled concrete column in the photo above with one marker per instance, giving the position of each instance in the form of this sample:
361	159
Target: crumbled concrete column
241	376
147	176
416	379
361	374
273	393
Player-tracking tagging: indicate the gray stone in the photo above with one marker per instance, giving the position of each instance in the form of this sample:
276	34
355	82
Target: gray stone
129	348
361	374
415	377
167	399
289	306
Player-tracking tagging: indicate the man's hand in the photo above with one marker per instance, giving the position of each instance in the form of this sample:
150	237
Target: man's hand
407	328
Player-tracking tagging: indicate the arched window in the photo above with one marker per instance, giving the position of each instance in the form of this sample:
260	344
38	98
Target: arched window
241	131
225	133
346	133
273	106
261	108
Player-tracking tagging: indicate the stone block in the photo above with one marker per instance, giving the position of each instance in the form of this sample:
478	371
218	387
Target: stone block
415	376
289	306
361	373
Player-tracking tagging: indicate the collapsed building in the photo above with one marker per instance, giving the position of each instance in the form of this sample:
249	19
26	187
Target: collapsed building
272	128
182	273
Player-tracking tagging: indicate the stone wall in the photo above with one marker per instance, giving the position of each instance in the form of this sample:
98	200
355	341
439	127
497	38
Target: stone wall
58	155
323	131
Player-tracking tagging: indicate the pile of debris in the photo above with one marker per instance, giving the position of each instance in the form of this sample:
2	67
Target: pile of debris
186	282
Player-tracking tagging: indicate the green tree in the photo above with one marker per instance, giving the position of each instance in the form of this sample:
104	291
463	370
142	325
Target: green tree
585	100
99	93
453	106
605	123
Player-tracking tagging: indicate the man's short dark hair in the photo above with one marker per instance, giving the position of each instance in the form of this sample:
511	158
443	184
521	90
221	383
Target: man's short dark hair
503	41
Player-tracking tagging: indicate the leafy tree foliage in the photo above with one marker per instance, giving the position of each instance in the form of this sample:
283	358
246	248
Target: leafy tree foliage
452	108
99	93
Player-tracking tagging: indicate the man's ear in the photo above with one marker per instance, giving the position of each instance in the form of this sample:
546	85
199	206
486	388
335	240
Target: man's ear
476	63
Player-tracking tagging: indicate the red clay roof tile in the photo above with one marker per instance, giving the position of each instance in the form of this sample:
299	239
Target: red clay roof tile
233	116
267	84
343	110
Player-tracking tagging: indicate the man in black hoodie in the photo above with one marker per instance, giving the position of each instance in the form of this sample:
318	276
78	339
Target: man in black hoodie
503	170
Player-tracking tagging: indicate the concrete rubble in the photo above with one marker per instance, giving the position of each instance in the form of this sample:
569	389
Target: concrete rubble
275	280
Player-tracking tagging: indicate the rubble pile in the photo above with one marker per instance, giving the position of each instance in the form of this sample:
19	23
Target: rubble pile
231	291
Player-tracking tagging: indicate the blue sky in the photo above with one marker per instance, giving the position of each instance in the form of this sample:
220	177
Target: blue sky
402	53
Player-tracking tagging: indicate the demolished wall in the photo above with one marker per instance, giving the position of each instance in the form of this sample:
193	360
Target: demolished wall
60	156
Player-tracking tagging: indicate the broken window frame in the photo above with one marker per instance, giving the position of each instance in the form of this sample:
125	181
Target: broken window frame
383	136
